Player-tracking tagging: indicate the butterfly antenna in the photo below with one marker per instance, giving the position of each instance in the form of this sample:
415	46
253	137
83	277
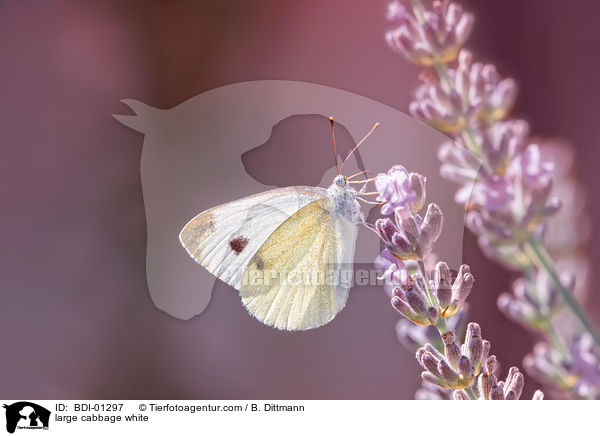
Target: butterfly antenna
358	145
334	146
362	172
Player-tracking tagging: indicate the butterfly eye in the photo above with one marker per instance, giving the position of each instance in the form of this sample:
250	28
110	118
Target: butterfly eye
340	180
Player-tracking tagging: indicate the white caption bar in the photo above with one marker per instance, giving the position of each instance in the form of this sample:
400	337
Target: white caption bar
155	417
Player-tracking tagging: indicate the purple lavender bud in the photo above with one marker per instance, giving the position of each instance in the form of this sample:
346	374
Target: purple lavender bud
490	75
416	302
399	304
454	12
457	173
462	285
586	363
452	352
486	384
491	364
409	228
391	37
475	352
513	387
417	184
524	292
497	393
538	395
396	11
433	351
484	354
386	228
442	275
473	329
464	27
430	363
442	286
447	373
419	355
534	171
515	309
465	368
415	110
404	309
431	228
429	377
430	34
401	245
532	304
399	40
502	98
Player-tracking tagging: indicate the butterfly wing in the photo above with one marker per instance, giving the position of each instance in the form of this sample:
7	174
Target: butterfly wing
300	277
224	239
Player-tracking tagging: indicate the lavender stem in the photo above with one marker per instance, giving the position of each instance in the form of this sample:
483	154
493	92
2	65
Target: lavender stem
441	326
556	341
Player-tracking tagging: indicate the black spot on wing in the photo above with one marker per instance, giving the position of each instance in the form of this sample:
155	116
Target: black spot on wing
238	244
259	263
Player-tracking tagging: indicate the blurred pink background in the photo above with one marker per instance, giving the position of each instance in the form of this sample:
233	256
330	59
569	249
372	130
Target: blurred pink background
77	318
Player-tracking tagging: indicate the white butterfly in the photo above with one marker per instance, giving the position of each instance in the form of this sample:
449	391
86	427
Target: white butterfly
289	251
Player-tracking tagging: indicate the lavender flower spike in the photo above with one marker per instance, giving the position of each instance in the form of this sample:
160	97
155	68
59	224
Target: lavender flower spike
409	236
451	370
451	374
427	37
472	91
505	183
576	377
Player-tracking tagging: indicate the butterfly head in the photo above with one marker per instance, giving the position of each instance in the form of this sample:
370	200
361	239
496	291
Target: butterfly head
345	183
340	181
